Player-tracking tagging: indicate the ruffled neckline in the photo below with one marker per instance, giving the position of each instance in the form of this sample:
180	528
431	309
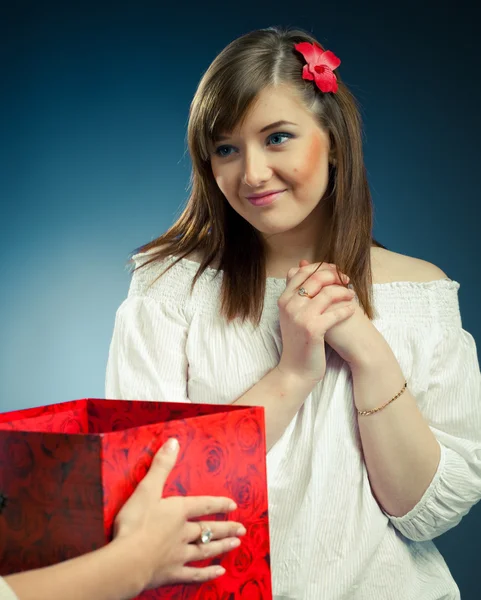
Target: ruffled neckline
279	283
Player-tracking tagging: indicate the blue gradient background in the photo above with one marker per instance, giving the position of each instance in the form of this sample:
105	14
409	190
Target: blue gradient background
94	103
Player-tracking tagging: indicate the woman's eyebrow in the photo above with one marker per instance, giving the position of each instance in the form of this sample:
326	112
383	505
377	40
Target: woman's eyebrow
276	124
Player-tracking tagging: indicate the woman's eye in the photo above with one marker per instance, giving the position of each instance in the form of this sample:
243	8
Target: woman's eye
224	151
276	139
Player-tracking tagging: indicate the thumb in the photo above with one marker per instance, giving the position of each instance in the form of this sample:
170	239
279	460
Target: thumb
162	465
303	263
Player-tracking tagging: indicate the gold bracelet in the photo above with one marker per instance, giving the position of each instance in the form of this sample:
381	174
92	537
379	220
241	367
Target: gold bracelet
365	413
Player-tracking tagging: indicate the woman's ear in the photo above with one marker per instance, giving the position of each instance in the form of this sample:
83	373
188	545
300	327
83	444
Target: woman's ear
332	150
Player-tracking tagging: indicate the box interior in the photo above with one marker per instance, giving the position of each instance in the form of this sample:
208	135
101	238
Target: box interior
105	416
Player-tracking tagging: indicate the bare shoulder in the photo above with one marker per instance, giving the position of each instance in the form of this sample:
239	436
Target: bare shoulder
390	266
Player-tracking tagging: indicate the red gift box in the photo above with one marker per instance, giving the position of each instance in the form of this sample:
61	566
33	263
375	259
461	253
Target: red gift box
67	469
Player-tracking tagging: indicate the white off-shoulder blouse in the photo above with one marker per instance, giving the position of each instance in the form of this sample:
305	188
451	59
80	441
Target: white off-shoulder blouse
329	537
6	593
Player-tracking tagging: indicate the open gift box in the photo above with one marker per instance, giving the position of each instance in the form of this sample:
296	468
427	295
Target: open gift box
67	469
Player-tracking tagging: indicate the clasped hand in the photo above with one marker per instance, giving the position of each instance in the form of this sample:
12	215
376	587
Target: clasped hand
330	314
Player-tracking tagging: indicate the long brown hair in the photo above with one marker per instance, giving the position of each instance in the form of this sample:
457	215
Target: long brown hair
209	225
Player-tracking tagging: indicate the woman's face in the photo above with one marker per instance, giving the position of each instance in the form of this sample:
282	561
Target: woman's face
273	169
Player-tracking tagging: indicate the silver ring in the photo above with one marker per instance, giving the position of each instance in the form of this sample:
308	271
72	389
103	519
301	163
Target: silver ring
205	534
303	292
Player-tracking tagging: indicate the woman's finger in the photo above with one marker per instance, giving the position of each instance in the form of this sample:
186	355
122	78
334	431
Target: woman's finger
196	575
202	551
220	529
329	296
336	315
316	277
162	464
309	268
199	506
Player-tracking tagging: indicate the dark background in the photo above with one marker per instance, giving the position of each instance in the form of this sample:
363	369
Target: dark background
94	102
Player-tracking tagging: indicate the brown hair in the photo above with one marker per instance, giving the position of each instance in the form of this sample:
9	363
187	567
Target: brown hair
208	223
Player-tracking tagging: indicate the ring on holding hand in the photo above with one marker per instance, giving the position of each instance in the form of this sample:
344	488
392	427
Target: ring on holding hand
303	292
205	534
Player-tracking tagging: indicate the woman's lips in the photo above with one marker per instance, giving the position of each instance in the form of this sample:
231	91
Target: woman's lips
265	200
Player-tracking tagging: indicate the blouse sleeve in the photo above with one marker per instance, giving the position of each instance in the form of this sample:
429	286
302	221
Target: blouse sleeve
6	593
147	357
452	407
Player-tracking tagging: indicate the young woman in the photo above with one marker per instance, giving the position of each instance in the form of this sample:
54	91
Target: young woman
153	540
370	385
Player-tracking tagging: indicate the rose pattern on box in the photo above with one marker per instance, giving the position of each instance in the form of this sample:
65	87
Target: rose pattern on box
66	470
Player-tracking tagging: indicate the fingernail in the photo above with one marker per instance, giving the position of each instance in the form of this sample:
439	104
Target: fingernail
241	531
171	445
232	506
235	543
220	571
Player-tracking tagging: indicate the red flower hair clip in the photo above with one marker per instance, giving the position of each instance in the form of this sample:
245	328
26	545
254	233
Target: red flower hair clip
320	66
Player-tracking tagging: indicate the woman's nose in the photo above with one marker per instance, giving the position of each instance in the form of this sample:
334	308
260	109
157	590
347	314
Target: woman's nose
256	169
